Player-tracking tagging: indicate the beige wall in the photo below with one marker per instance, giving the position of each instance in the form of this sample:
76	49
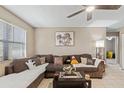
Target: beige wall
84	40
11	18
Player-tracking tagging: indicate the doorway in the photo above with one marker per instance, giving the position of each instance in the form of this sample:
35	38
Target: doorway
112	48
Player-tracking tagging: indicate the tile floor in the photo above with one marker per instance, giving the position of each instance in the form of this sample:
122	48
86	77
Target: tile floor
113	78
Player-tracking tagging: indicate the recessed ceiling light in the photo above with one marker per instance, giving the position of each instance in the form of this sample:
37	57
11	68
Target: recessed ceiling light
90	8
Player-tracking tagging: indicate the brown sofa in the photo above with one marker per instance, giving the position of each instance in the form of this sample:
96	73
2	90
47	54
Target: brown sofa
52	68
98	73
18	65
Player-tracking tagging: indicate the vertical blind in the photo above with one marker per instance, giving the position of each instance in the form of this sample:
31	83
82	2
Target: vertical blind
12	41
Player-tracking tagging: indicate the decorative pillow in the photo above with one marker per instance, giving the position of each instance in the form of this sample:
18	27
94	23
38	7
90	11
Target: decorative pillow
84	60
90	62
58	60
19	65
31	64
97	61
42	60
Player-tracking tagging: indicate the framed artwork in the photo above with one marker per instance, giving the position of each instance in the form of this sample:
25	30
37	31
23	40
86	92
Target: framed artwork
64	38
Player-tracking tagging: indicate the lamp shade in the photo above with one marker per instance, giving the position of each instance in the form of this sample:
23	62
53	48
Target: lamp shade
100	43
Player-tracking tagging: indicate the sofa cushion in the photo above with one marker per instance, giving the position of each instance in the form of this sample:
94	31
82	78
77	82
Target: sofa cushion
89	59
58	61
88	56
42	60
19	65
51	67
84	60
37	61
90	62
82	67
48	58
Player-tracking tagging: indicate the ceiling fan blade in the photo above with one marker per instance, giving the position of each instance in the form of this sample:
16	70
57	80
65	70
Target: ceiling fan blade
108	7
89	16
78	12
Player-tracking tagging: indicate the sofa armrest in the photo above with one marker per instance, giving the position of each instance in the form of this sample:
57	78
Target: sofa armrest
9	69
101	66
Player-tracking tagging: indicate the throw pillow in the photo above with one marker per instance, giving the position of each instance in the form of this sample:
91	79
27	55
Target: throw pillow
58	60
97	61
74	60
90	62
31	64
84	60
42	60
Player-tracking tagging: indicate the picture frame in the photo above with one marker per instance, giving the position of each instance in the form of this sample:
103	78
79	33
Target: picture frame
64	38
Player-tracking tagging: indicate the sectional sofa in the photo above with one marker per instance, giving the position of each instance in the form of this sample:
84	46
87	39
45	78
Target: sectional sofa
19	76
95	71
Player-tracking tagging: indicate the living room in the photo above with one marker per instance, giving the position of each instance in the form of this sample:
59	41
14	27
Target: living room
61	36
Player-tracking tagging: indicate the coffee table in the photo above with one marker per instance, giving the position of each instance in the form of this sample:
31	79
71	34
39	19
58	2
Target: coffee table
70	81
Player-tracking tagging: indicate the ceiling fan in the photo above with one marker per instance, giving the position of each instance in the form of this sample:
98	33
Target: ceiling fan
89	9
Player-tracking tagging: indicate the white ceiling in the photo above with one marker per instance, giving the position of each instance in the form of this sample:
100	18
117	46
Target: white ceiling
55	16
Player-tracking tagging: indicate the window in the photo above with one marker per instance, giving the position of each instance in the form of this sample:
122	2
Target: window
12	41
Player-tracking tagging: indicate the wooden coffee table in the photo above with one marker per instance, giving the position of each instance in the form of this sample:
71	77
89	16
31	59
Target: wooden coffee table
70	81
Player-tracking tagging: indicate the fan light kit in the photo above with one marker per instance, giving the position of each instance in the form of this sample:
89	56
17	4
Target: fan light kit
90	8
